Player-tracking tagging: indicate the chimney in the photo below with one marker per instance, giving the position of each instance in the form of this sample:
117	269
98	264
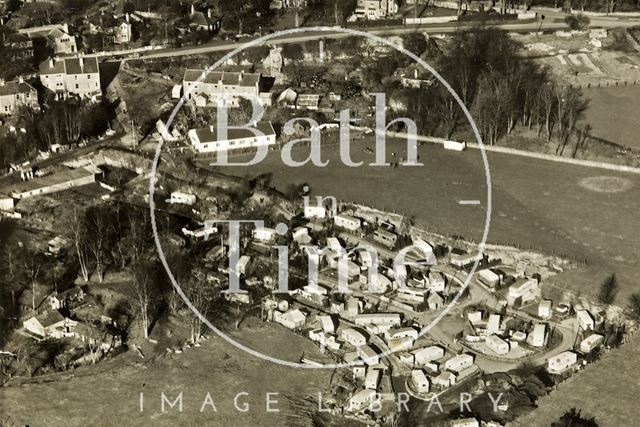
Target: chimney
51	62
81	61
211	128
209	13
126	17
193	9
1	82
20	79
415	73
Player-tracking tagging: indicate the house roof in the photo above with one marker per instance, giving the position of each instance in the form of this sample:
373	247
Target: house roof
209	134
228	78
14	87
57	33
17	38
50	318
49	180
70	66
73	292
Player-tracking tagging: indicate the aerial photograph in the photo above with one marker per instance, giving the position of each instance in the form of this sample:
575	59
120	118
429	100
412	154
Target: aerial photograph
319	213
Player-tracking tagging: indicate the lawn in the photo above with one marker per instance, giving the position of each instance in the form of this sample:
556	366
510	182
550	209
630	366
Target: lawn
610	113
537	204
605	391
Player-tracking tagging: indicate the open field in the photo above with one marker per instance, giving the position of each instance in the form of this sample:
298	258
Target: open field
613	114
108	394
539	204
605	391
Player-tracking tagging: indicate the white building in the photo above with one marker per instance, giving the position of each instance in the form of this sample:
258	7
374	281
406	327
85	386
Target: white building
376	9
347	222
58	181
179	197
400	344
223	87
392	319
539	335
465	422
475	317
51	324
445	379
264	234
437	281
327	323
372	379
493	324
292	319
562	362
461	259
489	278
362	399
243	263
334	244
353	337
544	309
459	362
523	291
497	344
6	202
420	381
589	343
359	371
402	333
314	212
406	358
368	355
77	76
206	140
427	354
585	319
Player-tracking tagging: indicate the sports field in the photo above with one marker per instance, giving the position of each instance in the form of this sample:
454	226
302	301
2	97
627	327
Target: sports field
590	214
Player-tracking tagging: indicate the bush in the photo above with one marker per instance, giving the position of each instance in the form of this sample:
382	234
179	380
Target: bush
577	22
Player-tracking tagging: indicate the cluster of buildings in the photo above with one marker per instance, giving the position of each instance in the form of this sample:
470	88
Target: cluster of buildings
51	320
115	29
490	329
57	36
375	9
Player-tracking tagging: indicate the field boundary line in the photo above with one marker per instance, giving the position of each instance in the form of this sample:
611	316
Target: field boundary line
530	154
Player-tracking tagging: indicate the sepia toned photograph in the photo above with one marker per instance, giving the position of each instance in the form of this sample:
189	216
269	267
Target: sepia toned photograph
319	213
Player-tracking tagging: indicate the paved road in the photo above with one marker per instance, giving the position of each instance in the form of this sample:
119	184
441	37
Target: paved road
526	26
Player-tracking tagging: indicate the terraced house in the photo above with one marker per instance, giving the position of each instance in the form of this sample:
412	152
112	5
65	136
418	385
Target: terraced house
223	87
15	94
71	76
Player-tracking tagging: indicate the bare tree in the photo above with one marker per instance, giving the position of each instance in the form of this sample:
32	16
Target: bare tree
201	296
97	240
142	292
77	234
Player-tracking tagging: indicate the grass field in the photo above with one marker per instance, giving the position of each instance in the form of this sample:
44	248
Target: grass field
612	113
539	204
606	391
108	394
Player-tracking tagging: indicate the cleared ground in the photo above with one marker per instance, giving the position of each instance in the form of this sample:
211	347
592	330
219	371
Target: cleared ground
613	114
536	204
108	394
